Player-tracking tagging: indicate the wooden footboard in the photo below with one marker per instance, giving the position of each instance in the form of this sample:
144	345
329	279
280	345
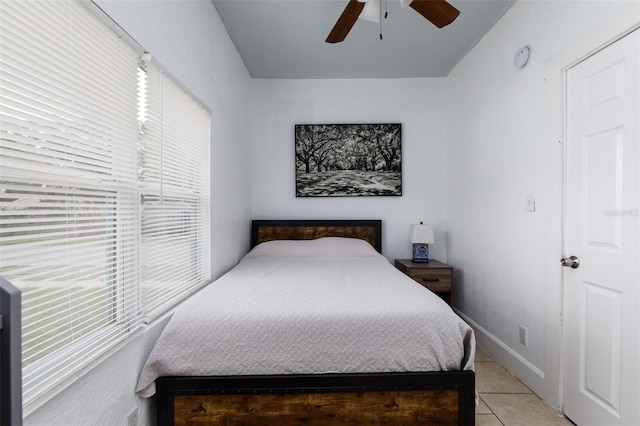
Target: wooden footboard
431	398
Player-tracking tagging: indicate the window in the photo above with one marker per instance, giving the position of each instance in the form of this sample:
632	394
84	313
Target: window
104	186
173	184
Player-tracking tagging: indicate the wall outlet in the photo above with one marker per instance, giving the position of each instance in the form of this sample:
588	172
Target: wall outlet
523	336
132	418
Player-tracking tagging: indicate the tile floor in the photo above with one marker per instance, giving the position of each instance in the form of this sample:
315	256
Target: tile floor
504	400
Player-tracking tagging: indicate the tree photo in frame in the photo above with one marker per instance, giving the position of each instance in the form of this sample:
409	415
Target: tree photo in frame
341	160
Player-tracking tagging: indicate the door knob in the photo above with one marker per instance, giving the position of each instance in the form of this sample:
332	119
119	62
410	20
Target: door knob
571	261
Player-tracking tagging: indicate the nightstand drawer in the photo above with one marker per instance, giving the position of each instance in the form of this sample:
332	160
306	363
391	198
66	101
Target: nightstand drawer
434	275
434	280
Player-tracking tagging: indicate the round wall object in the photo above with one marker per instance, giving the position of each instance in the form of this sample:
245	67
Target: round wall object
521	57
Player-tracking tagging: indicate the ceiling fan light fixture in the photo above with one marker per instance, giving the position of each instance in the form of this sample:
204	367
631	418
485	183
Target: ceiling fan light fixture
371	11
439	12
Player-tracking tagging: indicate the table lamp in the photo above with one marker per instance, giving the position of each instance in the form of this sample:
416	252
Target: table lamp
421	236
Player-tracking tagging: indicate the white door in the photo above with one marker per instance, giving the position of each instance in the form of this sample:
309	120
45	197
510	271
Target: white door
602	297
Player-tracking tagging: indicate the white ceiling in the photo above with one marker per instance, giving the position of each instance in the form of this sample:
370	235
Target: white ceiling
286	38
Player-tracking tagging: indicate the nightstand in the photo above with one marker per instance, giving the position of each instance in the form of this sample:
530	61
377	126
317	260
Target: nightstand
434	275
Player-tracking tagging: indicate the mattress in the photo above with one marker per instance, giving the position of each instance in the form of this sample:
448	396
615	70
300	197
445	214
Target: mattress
331	305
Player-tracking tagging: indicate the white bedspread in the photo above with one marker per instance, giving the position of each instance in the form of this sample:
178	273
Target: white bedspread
275	313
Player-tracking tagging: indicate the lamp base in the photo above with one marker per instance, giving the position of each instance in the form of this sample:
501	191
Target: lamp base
420	252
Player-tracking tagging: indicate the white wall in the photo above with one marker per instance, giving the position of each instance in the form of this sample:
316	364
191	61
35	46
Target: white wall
190	41
497	154
418	104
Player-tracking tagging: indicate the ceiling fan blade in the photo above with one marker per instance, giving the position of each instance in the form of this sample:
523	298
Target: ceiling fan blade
439	12
345	21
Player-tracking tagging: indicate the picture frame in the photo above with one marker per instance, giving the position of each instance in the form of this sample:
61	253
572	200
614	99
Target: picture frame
348	160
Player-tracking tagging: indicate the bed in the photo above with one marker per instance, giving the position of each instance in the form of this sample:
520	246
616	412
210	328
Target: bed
313	326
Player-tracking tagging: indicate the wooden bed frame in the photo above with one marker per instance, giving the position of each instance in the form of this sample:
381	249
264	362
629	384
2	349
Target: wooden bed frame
412	398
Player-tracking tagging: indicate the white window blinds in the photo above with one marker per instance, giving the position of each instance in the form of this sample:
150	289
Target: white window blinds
104	186
173	174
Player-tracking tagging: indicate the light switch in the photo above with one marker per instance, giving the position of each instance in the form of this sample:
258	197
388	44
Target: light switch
531	203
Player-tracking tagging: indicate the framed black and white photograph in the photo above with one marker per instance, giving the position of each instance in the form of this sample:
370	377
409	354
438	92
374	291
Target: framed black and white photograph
342	160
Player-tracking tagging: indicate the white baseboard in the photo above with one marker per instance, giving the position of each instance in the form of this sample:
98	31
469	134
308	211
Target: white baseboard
526	372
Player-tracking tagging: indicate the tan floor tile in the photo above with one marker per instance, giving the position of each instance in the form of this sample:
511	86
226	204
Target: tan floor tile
487	420
492	378
482	408
523	409
482	356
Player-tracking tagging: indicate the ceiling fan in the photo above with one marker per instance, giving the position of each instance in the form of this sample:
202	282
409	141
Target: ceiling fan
439	12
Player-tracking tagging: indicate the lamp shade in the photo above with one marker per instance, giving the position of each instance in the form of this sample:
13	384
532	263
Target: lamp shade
422	233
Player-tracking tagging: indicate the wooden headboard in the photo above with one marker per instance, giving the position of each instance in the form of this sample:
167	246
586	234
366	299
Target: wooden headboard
269	230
